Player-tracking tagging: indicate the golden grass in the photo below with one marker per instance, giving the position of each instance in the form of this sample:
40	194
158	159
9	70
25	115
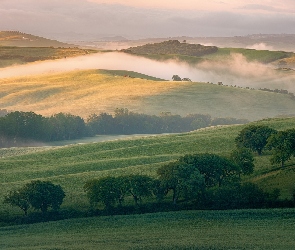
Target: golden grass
80	92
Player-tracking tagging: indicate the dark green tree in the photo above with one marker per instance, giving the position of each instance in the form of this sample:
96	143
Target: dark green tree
176	78
243	158
104	190
184	180
283	146
18	198
37	194
139	186
254	137
215	169
44	194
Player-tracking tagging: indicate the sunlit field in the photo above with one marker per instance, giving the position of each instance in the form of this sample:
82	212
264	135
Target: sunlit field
93	91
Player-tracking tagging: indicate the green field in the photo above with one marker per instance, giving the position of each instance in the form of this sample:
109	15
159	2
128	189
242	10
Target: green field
186	230
71	166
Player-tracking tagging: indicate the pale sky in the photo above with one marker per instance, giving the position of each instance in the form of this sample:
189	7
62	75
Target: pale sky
93	19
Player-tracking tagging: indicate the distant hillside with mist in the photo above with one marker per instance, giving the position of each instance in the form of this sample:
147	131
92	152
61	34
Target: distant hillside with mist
20	39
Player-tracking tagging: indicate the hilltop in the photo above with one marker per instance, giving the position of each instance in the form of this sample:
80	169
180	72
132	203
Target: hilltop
172	47
20	39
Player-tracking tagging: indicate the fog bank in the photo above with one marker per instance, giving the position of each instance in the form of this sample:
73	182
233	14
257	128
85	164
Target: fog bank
235	70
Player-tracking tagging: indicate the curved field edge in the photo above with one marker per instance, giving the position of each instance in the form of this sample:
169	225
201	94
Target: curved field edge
242	229
71	166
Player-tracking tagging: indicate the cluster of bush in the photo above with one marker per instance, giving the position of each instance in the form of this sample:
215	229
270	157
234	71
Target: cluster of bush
172	47
18	128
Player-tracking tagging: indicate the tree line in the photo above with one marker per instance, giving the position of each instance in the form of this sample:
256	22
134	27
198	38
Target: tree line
18	128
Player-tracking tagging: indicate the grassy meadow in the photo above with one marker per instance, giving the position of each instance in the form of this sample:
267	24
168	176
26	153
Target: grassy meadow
185	230
71	166
94	91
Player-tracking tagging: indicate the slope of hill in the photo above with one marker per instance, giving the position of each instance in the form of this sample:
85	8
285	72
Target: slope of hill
92	91
20	39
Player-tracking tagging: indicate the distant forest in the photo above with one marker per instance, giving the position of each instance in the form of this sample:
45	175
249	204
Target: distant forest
172	47
17	128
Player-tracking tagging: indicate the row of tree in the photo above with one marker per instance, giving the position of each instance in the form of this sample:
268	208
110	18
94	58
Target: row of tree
22	127
187	179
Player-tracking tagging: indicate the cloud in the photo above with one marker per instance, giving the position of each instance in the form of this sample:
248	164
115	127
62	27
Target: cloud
90	20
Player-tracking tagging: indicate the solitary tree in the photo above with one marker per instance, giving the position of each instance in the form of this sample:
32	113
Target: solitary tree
254	137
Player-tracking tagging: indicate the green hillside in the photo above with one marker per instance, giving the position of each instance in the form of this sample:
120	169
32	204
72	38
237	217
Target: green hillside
94	91
72	166
186	230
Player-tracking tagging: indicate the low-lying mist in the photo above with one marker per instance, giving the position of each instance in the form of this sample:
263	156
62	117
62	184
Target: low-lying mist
235	70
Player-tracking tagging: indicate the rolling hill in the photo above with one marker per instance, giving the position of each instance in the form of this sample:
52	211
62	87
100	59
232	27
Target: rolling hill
71	166
94	91
195	53
10	56
20	39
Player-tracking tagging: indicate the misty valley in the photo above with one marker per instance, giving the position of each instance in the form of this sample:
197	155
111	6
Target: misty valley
155	144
